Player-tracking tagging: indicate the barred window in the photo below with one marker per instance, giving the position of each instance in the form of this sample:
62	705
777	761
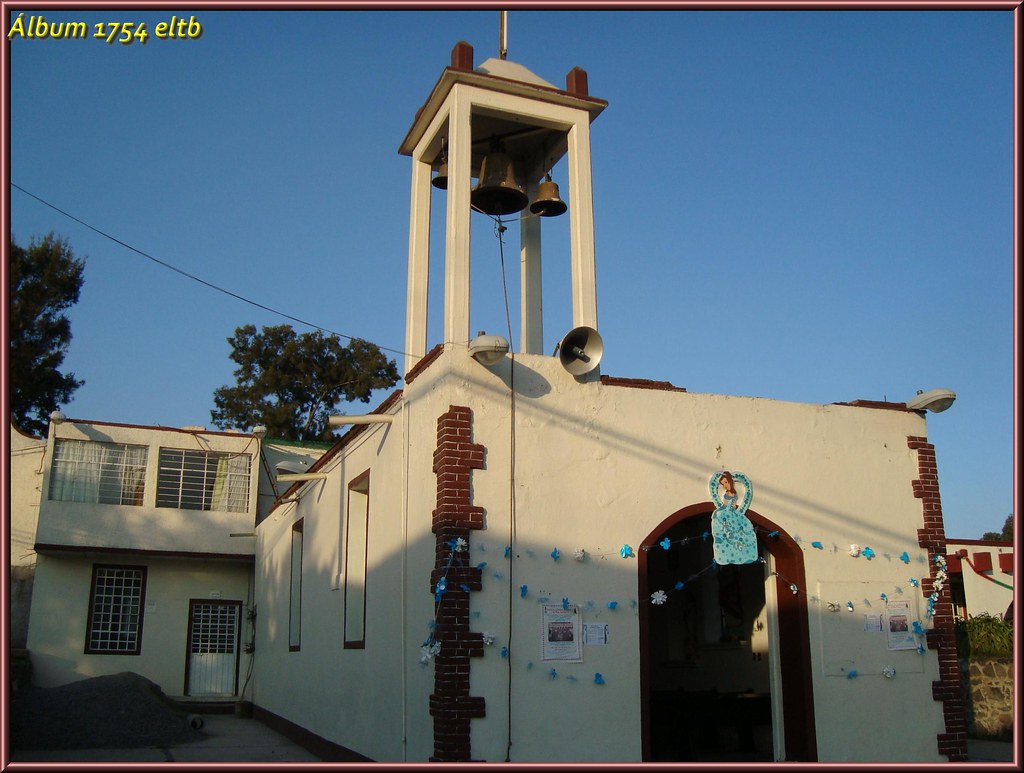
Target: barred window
106	473
115	610
203	480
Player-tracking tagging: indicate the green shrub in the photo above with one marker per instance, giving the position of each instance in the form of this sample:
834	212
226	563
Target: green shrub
984	635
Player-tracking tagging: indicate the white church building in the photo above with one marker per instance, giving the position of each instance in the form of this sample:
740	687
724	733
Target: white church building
518	558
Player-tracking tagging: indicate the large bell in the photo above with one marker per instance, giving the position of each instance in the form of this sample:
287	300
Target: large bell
440	180
548	203
497	192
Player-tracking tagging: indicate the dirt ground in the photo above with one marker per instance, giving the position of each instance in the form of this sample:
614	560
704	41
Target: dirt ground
123	710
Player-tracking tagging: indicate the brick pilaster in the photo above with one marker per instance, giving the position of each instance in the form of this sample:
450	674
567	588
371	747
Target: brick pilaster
455	516
941	637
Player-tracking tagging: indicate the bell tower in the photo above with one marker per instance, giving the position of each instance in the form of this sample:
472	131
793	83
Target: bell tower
507	127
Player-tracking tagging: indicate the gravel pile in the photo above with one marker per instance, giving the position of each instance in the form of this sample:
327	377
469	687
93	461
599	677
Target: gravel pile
123	711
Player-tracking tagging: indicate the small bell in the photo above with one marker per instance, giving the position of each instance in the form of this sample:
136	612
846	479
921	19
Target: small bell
440	180
497	192
548	203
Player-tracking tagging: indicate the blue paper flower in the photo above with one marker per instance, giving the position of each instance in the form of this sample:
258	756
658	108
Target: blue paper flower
481	565
464	587
565	602
920	649
598	679
773	534
913	581
904	557
883	597
665	543
626	551
504	652
523	590
916	625
679	584
851	674
553	674
554	554
849	605
705	536
612	604
817	545
868	553
508	551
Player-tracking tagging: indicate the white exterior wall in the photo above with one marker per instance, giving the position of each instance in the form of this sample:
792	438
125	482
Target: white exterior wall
333	691
57	634
598	467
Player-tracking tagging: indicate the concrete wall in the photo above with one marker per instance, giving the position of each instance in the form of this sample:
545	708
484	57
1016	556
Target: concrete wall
598	467
57	633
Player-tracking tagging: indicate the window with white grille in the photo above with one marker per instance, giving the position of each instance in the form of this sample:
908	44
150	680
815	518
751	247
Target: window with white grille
105	473
203	480
115	610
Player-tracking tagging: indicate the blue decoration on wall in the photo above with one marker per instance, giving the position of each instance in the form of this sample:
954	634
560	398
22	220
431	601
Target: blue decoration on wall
734	538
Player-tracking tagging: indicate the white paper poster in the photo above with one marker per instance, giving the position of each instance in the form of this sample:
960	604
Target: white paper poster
561	634
898	626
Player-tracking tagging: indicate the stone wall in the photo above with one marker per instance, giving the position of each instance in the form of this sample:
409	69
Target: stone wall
988	694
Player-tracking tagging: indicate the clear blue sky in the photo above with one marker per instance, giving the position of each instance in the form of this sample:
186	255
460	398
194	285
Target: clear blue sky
803	206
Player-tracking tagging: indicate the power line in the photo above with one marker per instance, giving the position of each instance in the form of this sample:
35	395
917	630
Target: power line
193	277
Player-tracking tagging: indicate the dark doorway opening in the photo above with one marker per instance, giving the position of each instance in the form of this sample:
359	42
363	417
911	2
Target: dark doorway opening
709	652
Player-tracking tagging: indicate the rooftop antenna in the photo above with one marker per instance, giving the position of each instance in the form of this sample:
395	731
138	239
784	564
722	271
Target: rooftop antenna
503	34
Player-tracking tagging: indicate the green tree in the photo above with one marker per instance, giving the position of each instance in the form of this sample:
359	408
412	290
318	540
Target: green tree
290	383
45	280
1006	535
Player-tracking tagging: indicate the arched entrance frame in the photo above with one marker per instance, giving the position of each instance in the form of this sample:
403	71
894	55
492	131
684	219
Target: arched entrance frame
794	655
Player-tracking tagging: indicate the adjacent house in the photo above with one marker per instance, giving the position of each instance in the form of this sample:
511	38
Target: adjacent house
26	468
981	576
144	556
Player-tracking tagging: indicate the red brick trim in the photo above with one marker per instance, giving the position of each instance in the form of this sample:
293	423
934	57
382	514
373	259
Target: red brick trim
421	366
640	383
451	705
952	743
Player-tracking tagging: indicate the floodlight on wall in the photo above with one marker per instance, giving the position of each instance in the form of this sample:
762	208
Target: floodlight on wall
934	400
57	417
488	349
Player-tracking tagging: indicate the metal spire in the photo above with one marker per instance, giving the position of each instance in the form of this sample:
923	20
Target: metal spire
503	34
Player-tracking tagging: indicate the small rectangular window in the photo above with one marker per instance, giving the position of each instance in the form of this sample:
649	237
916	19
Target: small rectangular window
356	533
115	610
203	480
103	473
295	590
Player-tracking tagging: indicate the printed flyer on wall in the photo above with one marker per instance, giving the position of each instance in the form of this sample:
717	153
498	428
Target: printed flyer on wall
561	635
898	626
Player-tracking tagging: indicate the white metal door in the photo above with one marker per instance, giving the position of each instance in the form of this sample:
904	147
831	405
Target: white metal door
213	649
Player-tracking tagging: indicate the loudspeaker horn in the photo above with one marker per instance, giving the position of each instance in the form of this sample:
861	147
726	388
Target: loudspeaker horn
580	350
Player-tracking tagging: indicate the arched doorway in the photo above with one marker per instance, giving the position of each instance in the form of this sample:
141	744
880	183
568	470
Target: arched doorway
717	653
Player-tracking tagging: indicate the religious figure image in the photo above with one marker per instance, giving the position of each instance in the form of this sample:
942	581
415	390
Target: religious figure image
733	534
